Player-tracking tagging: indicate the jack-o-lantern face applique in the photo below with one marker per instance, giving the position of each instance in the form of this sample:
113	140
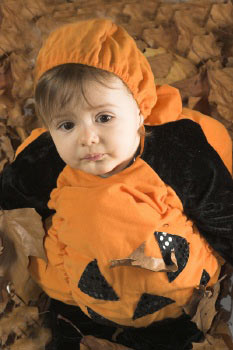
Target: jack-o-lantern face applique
168	243
93	283
149	303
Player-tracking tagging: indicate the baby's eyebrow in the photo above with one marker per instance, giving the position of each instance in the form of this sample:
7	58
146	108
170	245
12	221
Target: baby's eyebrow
71	115
102	106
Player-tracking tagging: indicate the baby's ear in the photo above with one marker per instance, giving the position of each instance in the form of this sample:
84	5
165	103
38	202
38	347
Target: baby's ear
141	119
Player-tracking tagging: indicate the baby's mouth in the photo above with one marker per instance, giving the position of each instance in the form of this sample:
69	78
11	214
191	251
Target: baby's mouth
93	157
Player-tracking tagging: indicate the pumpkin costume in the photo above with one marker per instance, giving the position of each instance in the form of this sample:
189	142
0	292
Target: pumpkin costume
176	197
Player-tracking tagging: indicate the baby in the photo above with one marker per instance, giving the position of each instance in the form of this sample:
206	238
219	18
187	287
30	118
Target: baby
130	179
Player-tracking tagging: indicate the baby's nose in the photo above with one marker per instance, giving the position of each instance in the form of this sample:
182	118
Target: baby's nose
88	136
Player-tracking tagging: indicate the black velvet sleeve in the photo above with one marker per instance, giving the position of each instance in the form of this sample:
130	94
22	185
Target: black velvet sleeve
29	179
182	157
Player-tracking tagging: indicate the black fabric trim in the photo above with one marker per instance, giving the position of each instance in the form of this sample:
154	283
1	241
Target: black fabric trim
28	181
177	151
168	334
180	154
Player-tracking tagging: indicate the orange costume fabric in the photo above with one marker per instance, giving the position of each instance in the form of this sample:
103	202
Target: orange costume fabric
98	220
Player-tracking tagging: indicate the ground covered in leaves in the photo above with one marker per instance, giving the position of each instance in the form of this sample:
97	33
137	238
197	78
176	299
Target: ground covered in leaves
189	45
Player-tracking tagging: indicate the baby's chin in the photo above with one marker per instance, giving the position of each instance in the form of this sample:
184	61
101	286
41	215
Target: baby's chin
96	170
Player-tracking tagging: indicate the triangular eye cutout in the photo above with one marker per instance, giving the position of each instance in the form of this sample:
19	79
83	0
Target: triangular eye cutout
93	283
205	277
149	303
167	243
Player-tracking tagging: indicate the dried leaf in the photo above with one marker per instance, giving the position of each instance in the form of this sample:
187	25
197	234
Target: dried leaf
25	225
160	37
137	13
221	82
204	47
17	321
15	117
139	259
189	23
221	15
206	308
89	342
191	307
211	343
5	145
38	342
23	236
169	68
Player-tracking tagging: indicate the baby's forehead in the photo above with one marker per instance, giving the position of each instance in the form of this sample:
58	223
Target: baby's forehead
96	94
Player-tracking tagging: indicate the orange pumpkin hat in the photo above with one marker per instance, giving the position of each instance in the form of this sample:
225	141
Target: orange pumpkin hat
103	44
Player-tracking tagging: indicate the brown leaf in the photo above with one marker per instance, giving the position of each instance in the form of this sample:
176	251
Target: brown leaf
191	307
160	37
195	86
38	342
17	321
169	68
211	343
204	47
206	308
89	342
23	236
15	117
221	82
221	15
138	13
161	65
5	145
139	259
25	225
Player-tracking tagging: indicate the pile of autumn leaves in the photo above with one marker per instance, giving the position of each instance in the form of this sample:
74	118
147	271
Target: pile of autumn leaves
189	45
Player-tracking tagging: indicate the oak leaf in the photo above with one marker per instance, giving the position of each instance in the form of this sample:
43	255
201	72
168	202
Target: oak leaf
139	259
206	310
38	342
221	82
17	321
89	342
23	233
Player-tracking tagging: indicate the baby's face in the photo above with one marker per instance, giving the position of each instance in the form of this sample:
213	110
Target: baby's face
100	139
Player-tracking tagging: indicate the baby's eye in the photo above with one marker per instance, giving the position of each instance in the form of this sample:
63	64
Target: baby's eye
67	126
104	118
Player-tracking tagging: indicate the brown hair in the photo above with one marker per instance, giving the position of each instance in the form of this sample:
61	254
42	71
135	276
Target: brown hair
63	85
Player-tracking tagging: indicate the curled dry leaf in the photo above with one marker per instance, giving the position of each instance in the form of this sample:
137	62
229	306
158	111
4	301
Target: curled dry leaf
17	321
139	259
89	342
5	145
169	68
211	343
204	47
26	227
221	329
206	308
221	15
164	13
221	82
160	37
139	14
23	232
2	129
40	339
188	25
